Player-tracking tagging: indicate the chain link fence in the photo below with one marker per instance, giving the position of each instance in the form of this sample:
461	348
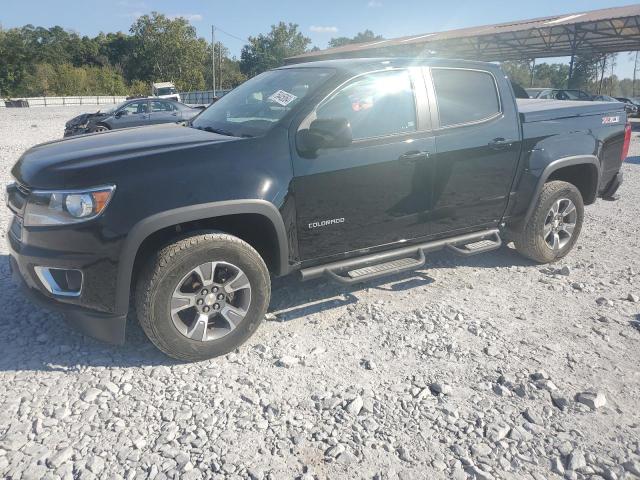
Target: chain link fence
200	97
62	101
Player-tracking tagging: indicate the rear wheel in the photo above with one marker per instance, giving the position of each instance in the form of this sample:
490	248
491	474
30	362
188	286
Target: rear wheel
203	296
555	224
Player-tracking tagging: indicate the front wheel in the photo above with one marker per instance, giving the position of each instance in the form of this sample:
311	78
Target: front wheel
555	224
100	128
202	296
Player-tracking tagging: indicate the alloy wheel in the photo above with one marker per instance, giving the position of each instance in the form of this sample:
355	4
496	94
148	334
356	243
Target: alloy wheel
210	301
559	224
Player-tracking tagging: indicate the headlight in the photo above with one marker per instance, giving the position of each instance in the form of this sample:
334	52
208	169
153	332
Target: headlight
66	207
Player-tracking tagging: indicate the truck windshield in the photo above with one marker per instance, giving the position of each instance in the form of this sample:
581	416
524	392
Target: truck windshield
258	104
165	91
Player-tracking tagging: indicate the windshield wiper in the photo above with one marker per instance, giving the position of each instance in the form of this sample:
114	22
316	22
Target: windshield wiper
219	131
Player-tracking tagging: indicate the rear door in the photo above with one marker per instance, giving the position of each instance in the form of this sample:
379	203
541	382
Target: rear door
477	148
163	112
377	190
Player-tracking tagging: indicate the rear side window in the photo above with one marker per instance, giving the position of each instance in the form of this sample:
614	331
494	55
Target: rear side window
157	106
465	96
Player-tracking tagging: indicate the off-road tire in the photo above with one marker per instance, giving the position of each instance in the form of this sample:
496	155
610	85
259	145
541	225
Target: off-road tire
529	240
158	279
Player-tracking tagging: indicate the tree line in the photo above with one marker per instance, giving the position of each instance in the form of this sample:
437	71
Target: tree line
38	61
591	73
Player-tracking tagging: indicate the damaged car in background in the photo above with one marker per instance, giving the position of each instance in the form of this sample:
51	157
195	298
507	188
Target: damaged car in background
132	113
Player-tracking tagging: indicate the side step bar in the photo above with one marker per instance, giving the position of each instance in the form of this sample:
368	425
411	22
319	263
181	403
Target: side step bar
376	265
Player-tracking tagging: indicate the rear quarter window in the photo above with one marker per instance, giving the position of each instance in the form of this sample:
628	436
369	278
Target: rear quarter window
465	96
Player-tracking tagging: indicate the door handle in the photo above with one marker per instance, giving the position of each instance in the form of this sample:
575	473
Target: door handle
413	156
500	143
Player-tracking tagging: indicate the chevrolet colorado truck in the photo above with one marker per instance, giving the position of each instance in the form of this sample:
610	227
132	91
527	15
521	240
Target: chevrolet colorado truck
344	169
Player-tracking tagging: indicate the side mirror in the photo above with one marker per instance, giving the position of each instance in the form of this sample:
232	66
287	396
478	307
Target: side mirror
324	133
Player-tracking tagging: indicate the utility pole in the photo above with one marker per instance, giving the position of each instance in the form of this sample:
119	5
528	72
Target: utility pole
220	67
213	57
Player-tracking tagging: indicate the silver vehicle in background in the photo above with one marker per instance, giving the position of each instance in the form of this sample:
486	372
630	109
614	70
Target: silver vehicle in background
132	113
558	94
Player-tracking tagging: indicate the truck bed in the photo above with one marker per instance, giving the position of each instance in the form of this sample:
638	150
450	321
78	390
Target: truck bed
536	110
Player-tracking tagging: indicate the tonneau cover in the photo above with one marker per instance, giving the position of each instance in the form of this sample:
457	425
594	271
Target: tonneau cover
537	110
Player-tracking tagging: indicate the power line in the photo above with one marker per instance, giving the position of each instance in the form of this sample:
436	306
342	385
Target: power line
232	35
246	40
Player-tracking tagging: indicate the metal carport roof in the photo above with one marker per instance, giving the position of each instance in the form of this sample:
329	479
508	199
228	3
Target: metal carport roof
597	31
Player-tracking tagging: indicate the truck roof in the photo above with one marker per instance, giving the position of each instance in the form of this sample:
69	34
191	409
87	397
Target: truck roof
361	64
163	84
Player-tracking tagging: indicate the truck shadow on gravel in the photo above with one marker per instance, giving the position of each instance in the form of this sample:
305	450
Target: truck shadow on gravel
292	299
32	338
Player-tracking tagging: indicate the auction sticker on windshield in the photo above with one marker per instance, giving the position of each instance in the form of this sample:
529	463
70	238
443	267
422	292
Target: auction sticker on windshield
282	98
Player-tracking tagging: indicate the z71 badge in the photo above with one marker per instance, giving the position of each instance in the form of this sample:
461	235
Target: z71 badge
608	120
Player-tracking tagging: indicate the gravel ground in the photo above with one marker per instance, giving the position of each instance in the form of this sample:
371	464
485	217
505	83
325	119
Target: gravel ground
489	367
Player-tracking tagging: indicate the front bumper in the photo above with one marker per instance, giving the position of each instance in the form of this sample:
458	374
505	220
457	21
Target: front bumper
71	131
82	312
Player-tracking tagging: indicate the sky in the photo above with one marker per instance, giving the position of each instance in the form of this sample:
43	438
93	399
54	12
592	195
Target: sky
319	20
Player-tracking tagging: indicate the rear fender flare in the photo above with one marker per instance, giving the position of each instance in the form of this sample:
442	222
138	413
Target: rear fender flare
556	165
146	227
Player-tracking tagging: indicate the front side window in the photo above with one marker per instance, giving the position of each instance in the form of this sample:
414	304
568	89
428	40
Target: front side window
166	91
258	104
465	96
376	104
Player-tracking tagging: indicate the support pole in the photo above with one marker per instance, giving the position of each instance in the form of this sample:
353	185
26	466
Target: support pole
570	70
533	72
213	58
635	69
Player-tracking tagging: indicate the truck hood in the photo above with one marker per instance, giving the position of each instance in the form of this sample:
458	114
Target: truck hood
48	164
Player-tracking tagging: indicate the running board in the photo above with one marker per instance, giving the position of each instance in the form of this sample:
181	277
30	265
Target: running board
480	246
377	265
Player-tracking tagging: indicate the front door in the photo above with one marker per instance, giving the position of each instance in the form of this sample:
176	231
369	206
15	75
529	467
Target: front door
133	114
477	149
377	190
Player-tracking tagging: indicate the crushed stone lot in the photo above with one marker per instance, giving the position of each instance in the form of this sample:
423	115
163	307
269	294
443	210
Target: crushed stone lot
488	367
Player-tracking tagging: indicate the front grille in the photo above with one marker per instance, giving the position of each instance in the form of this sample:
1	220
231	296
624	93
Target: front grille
16	197
16	227
23	189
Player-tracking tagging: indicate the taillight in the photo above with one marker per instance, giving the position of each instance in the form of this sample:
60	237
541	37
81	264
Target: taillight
627	140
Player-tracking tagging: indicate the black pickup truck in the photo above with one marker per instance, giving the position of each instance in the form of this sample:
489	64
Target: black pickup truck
345	169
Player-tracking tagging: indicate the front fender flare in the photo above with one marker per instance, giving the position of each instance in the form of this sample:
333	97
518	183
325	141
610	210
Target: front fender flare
146	227
556	165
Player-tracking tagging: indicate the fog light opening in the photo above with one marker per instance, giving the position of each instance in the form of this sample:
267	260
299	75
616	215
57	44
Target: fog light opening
60	281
